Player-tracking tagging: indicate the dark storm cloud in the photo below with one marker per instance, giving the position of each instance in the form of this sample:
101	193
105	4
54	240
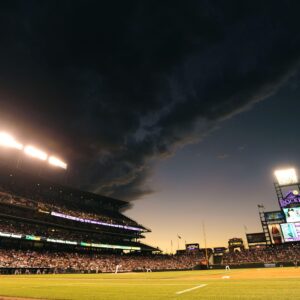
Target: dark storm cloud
116	86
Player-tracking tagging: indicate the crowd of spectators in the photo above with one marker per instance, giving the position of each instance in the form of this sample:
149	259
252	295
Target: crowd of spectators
284	253
95	263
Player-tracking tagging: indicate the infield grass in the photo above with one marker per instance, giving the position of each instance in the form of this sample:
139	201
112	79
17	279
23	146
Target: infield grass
277	284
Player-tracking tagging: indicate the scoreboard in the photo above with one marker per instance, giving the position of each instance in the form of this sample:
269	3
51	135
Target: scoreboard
192	247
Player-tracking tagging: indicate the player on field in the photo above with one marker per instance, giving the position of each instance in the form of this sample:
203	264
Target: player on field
117	268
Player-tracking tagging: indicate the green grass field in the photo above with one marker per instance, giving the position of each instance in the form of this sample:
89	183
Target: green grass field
279	283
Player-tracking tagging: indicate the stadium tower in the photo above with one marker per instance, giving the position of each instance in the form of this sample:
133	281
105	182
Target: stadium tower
281	226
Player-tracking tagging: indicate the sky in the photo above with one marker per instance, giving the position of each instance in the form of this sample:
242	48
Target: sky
184	109
219	183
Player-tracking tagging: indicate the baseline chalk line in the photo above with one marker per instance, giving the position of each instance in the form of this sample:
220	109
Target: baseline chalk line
191	289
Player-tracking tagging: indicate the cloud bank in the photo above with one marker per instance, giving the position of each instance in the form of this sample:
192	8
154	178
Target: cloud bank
117	86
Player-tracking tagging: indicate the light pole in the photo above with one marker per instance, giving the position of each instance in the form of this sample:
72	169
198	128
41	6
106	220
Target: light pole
204	236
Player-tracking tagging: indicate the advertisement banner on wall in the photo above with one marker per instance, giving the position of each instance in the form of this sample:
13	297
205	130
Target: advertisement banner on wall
192	247
275	234
290	200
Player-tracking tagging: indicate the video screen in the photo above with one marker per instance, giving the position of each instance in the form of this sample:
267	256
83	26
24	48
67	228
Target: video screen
274	216
292	214
291	232
275	233
258	237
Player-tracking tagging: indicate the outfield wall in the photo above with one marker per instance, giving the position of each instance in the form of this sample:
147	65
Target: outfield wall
255	265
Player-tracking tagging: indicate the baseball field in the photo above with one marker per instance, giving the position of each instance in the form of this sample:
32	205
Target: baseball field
276	283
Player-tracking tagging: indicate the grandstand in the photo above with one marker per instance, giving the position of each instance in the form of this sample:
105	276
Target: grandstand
39	215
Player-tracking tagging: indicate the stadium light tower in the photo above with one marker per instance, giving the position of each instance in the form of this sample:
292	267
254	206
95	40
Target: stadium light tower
54	161
36	153
286	177
6	140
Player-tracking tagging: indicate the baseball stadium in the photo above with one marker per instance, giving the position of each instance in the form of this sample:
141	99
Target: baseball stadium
57	242
149	150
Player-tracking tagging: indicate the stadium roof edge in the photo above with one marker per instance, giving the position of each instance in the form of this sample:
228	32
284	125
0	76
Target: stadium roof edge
121	203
